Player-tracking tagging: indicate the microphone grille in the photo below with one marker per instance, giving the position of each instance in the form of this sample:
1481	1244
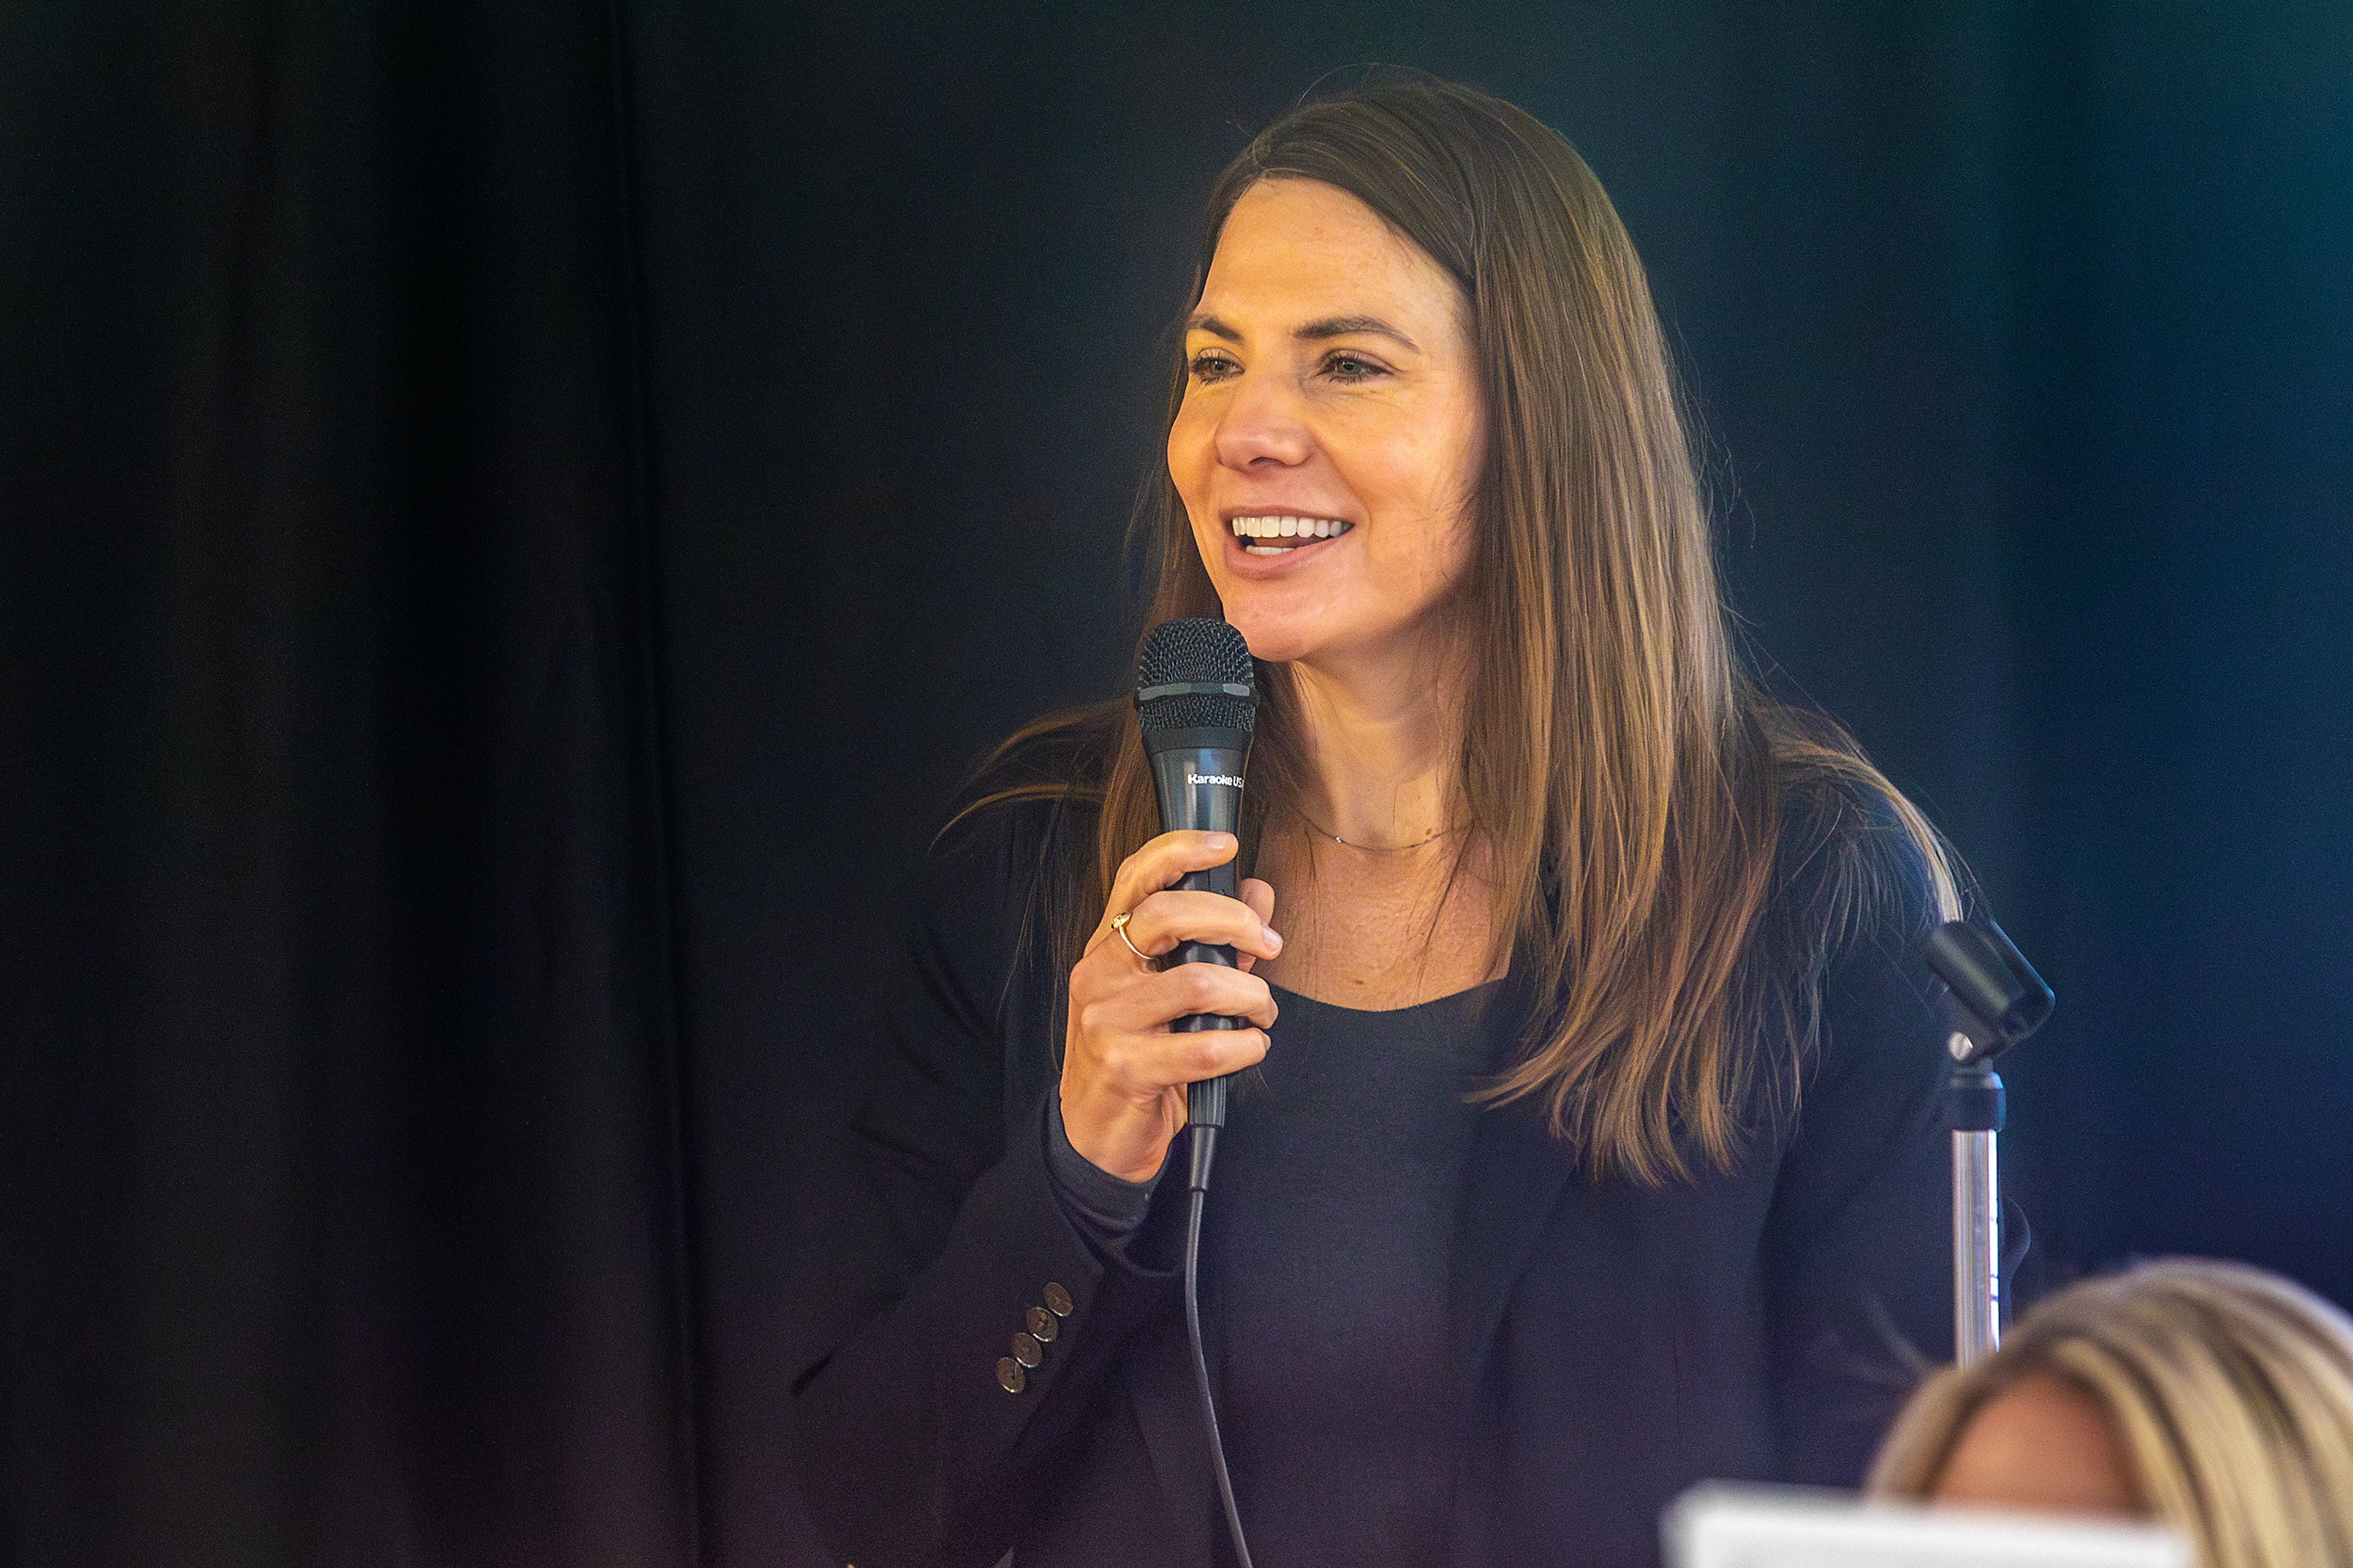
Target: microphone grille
1201	652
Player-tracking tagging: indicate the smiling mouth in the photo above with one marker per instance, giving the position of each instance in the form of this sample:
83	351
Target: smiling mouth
1280	535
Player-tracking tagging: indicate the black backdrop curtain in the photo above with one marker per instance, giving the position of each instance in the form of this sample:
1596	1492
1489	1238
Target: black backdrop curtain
343	1220
517	515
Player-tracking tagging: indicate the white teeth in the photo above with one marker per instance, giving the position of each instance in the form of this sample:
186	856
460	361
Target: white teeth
1290	527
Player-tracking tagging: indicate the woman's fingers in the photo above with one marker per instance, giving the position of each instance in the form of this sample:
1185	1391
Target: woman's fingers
1147	1001
1161	861
1213	1052
1204	988
1260	897
1175	915
1146	1066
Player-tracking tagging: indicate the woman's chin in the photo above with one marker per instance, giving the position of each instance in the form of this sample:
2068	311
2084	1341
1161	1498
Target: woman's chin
1273	638
1288	623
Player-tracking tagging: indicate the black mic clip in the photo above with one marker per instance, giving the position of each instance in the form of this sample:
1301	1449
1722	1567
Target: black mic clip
1998	999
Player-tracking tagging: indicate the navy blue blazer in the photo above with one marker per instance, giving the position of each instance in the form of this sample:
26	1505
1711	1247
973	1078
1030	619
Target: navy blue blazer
1613	1343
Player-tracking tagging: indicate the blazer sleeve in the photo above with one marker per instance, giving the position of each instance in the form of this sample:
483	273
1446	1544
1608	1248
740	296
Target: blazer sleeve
912	1448
1859	1240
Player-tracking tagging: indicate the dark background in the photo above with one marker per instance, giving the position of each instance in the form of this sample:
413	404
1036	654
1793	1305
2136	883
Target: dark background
518	516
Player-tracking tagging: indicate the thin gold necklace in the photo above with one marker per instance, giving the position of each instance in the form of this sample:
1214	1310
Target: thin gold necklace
1323	832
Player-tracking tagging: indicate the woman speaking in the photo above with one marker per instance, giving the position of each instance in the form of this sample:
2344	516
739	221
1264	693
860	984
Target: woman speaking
1585	1143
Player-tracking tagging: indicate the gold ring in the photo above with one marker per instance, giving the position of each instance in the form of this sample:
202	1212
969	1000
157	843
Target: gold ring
1119	923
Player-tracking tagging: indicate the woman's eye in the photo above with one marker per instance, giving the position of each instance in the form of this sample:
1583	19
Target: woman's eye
1351	367
1209	367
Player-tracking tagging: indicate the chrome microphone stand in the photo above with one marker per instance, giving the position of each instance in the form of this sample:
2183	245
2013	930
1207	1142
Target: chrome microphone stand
1996	1001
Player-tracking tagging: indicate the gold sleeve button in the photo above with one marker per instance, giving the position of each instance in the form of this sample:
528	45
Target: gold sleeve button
1043	1325
1026	1351
1010	1375
1058	1300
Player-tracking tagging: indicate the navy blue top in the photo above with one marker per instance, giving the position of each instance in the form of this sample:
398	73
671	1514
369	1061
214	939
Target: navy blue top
1325	1261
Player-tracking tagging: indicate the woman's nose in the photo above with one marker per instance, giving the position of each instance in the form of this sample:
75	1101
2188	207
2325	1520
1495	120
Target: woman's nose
1262	423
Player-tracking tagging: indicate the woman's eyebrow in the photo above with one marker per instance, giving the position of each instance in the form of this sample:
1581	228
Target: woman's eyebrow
1349	326
1313	332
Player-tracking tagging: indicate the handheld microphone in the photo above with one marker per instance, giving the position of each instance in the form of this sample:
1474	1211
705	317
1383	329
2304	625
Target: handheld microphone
1196	699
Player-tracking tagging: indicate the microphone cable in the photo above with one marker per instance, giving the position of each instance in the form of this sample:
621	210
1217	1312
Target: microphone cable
1203	1149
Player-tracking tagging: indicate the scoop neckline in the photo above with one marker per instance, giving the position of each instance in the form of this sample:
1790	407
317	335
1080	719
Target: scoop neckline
1388	1012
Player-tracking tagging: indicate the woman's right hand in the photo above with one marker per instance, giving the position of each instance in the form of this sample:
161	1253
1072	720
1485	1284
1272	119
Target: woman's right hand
1123	1071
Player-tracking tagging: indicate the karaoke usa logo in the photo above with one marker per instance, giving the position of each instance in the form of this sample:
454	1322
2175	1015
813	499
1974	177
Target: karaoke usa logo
1233	779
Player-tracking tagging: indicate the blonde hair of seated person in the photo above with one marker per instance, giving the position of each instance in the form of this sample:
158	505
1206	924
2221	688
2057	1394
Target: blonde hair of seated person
2228	1393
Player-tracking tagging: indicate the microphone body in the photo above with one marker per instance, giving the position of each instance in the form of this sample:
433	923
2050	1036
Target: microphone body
1197	774
1198	778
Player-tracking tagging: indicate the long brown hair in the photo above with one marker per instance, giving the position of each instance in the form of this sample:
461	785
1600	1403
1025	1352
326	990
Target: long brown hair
1627	775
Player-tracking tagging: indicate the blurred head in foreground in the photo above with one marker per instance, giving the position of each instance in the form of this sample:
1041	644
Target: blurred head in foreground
2210	1396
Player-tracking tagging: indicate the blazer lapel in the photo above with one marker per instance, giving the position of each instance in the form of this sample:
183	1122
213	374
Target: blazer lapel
1516	1172
1160	1385
1167	1406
